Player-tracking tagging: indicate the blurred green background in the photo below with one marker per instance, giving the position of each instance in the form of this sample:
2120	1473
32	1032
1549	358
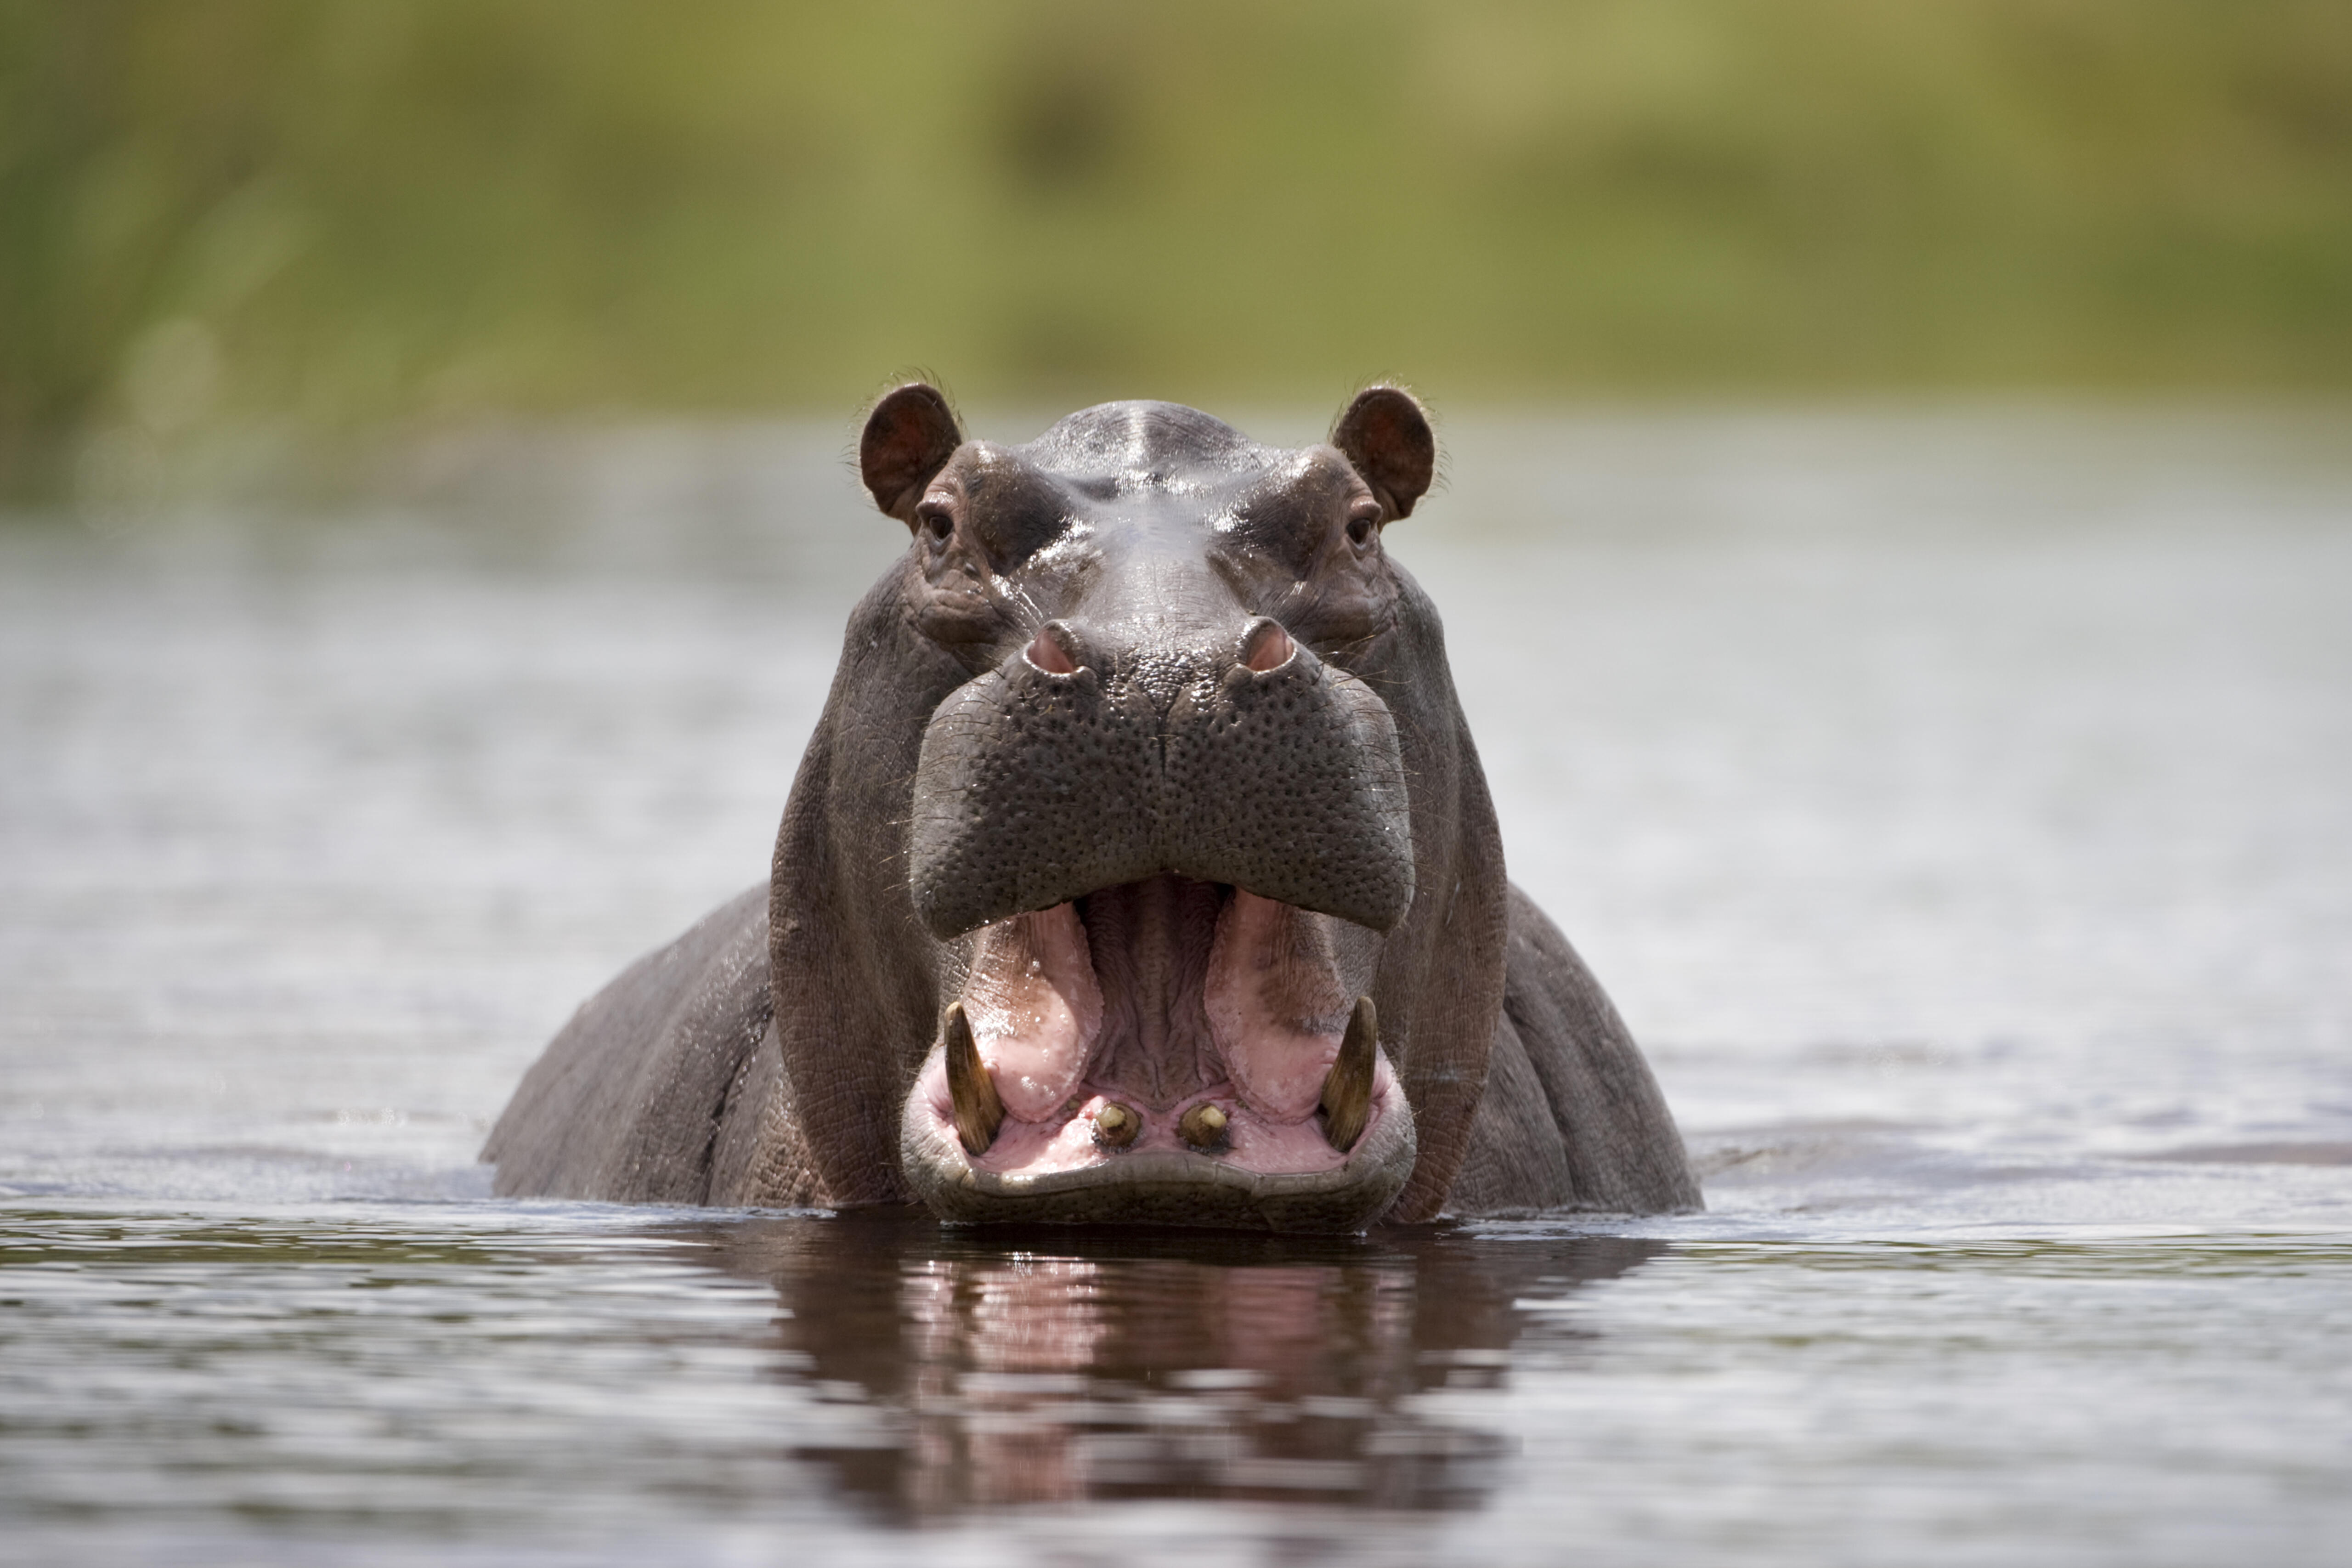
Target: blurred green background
339	214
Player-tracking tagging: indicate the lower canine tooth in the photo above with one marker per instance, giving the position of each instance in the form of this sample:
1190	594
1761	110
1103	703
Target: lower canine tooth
1116	1126
1347	1087
978	1111
1203	1127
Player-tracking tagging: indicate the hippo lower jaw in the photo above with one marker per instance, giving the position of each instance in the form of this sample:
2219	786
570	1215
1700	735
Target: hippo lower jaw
1162	1187
1162	1052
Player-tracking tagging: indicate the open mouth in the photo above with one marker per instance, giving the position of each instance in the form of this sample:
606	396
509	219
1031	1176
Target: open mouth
1165	1049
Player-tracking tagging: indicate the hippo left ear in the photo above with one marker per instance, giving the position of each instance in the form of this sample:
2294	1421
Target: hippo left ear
909	436
1387	436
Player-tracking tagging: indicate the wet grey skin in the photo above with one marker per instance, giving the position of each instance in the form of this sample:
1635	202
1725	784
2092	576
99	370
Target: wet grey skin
1140	870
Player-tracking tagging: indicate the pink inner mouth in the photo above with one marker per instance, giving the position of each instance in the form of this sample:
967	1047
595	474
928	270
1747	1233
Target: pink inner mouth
1157	995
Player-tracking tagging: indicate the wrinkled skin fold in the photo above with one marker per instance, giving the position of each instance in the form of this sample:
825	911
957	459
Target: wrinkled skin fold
1140	870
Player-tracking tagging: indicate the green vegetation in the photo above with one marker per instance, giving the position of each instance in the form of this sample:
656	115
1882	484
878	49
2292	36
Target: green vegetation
346	212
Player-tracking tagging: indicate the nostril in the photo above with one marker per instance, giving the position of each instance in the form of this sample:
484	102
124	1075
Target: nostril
1048	652
1266	646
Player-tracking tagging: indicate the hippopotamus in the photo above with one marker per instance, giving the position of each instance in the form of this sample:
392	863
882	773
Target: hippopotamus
1140	870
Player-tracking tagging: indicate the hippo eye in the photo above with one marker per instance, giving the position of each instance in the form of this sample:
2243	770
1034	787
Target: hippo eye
937	520
1360	524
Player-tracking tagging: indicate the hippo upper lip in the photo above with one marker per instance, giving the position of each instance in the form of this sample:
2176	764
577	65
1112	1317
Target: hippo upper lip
1035	788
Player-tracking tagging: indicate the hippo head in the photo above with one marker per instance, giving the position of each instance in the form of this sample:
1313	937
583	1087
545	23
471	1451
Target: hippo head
1194	882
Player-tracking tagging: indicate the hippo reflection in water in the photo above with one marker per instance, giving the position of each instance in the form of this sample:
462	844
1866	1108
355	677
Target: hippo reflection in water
1018	1367
1140	870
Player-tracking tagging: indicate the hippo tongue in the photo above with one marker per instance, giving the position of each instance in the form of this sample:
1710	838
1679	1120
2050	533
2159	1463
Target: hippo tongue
1155	992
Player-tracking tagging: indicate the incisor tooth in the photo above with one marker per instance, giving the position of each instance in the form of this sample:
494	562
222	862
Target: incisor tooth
1203	1126
1116	1126
978	1111
1347	1087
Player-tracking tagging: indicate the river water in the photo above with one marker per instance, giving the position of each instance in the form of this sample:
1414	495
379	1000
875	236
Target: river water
1957	803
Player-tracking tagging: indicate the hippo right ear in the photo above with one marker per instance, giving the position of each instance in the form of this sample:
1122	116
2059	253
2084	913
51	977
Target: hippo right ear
909	436
1387	436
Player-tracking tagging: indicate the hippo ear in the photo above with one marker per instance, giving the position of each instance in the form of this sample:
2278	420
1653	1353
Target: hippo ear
1385	434
909	436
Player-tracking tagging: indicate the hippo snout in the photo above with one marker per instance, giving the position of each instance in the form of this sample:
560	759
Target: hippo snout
1070	768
